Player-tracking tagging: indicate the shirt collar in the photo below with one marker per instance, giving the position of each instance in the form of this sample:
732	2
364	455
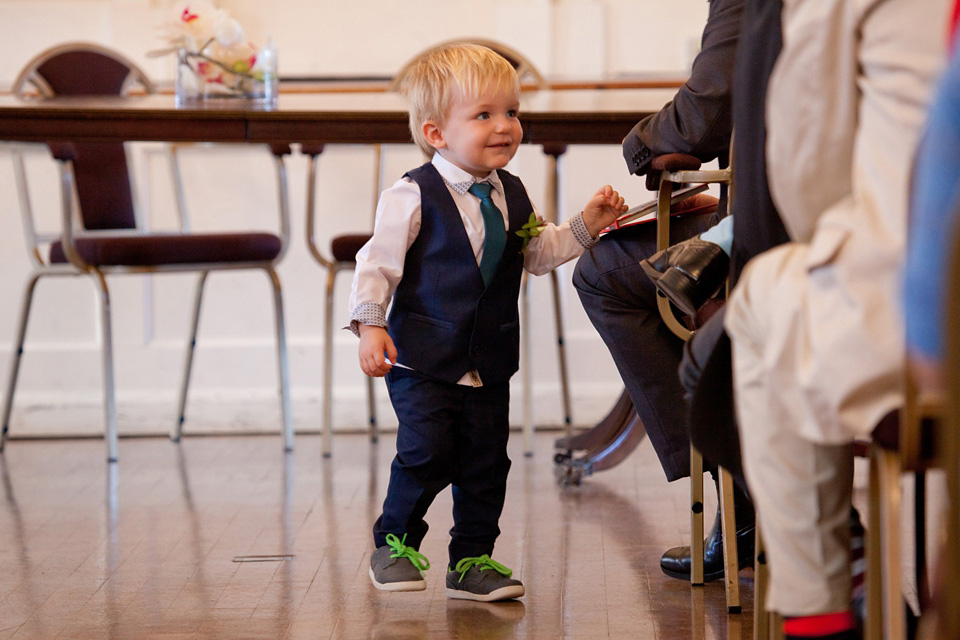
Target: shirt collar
459	180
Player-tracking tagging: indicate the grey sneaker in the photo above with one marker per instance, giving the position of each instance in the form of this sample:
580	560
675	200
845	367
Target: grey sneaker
397	567
483	580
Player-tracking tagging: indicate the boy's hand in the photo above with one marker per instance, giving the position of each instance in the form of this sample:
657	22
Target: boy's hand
604	207
374	343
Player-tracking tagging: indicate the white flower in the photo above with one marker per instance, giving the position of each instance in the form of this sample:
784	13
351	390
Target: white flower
227	31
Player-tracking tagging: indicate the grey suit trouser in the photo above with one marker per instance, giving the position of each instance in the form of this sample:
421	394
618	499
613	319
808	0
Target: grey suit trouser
621	301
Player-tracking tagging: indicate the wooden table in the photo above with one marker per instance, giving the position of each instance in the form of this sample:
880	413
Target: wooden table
551	118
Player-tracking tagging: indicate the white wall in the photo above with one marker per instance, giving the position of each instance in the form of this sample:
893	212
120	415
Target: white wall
234	383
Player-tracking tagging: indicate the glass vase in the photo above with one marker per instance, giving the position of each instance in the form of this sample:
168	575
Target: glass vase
203	77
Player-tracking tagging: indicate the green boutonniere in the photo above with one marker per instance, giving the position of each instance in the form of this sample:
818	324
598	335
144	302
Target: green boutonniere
530	230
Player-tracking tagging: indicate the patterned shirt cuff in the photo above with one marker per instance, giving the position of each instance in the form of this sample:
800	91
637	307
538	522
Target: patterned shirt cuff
580	232
367	313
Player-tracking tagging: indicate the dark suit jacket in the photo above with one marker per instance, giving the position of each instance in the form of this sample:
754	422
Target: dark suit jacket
706	369
698	120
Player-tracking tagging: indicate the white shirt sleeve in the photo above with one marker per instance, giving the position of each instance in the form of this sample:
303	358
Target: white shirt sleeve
556	245
380	260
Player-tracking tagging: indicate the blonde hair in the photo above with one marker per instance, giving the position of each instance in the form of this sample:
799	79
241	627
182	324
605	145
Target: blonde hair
432	82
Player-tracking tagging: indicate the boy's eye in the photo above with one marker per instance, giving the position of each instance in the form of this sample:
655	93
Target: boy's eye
483	116
512	113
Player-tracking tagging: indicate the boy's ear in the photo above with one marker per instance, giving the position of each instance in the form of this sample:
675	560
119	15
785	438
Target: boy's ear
433	135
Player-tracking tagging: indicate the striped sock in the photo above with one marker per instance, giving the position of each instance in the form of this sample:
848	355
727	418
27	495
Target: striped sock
827	626
858	562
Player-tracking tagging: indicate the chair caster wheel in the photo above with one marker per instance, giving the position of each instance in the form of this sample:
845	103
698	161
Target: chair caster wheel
569	475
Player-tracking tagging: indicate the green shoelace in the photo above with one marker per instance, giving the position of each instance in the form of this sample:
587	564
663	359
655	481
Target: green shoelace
484	562
400	550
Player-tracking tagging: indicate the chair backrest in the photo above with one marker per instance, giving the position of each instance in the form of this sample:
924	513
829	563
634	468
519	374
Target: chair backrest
102	175
530	78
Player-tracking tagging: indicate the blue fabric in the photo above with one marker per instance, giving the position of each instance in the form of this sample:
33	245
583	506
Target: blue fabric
934	211
721	234
448	434
495	235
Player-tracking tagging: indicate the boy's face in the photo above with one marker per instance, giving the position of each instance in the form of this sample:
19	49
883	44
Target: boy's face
481	132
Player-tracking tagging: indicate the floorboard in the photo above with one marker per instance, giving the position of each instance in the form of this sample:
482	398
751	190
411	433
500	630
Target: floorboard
228	537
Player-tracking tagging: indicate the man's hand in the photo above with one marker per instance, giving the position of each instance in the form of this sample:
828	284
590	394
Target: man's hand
604	207
377	353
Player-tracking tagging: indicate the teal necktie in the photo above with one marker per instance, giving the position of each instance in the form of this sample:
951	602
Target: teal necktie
495	237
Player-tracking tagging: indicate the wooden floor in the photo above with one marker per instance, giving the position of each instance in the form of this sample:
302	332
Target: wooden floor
163	545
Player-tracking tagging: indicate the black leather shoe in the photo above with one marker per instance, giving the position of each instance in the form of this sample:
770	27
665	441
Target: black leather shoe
688	273
676	562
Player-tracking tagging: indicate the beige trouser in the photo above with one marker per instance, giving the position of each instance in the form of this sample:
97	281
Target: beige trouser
802	489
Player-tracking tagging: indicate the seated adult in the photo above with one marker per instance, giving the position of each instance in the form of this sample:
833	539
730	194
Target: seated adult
934	220
815	324
621	301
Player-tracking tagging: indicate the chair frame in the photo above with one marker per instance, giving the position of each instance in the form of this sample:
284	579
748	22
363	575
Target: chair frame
76	266
668	180
885	614
334	267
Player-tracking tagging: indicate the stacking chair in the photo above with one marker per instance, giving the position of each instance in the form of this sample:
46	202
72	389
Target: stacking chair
342	257
343	251
919	437
680	169
929	435
100	233
904	441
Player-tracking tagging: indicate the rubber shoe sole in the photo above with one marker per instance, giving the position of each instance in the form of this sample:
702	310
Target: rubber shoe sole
409	585
503	593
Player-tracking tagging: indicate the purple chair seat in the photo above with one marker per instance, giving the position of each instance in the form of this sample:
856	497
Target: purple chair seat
345	248
159	250
886	434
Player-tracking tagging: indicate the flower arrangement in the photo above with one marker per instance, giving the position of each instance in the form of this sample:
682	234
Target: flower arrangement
214	58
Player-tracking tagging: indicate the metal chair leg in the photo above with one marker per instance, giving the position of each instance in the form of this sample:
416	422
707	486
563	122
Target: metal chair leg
728	524
177	431
327	422
874	574
894	617
761	617
526	365
109	400
696	517
17	355
283	368
561	356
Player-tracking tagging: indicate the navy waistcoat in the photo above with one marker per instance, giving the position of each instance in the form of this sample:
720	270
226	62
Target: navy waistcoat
443	322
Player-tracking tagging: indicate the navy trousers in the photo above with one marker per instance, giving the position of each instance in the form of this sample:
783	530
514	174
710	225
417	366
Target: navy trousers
448	434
